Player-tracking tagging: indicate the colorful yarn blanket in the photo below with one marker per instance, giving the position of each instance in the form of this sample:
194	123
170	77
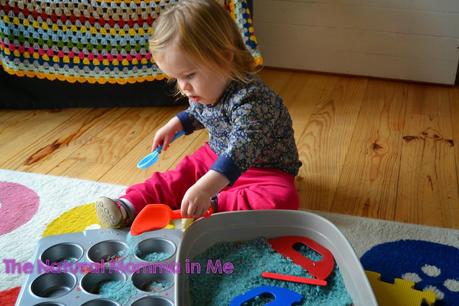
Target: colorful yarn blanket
94	41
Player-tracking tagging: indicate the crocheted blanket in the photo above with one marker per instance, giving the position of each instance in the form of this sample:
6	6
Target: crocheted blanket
93	41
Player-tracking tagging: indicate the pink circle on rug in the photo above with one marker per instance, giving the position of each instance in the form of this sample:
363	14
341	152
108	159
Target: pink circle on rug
18	204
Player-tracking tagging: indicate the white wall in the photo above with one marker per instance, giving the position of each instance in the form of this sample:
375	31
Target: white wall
398	39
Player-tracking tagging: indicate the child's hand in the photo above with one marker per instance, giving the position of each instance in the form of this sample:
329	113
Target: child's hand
166	133
195	202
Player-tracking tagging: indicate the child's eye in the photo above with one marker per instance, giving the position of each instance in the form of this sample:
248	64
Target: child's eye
189	76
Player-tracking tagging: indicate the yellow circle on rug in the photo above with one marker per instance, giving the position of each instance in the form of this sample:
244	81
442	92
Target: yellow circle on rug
72	221
76	220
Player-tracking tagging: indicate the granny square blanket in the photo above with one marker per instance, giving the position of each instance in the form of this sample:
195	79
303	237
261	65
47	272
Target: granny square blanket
90	41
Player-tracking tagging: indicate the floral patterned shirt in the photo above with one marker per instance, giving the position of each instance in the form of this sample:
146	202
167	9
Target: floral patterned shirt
248	127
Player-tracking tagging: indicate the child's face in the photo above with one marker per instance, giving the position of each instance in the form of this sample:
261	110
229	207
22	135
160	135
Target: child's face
200	84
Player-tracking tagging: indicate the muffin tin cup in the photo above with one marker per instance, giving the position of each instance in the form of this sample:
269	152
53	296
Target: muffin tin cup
53	285
100	302
153	300
62	252
70	269
107	251
147	281
92	282
152	246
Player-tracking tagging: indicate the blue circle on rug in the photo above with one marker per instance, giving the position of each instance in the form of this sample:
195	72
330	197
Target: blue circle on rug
431	265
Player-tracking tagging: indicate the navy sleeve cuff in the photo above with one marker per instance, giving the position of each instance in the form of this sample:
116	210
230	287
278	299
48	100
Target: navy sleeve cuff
228	168
186	122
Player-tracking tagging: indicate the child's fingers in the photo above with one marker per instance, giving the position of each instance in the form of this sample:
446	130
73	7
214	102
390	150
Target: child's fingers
188	209
154	145
204	209
160	139
166	142
199	212
184	208
156	141
168	139
192	208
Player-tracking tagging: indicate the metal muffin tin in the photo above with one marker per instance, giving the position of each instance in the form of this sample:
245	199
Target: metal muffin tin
60	278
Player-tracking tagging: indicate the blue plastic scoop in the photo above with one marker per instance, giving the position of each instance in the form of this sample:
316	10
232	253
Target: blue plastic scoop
152	158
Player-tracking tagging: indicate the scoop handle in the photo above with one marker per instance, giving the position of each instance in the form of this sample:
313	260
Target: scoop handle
176	214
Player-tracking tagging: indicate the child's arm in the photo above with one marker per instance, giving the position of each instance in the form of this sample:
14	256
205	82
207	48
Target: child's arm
196	200
253	131
188	119
166	133
184	120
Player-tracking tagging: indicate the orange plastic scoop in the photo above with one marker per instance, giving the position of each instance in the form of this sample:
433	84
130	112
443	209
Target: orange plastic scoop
156	216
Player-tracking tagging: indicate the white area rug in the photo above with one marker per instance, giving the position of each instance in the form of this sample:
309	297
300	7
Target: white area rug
32	205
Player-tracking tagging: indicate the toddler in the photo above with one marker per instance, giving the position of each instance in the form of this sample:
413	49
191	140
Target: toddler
251	158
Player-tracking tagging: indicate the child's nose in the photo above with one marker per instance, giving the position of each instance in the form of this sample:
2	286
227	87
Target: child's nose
186	86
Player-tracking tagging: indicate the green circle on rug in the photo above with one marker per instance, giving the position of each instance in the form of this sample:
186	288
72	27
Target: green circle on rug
72	221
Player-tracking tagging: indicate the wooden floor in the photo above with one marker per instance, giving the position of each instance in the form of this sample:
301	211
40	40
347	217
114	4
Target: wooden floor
369	147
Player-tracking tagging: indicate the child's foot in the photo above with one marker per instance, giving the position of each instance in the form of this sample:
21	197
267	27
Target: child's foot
111	213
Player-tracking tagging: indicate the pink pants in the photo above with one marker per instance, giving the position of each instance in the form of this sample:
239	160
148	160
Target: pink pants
257	188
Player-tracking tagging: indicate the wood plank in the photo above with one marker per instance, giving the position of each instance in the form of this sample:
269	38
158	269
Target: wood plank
27	127
325	140
42	154
277	79
125	171
428	185
12	119
113	143
76	167
304	93
369	178
454	105
5	114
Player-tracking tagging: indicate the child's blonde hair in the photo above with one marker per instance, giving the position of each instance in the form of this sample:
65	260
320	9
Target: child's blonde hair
205	31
